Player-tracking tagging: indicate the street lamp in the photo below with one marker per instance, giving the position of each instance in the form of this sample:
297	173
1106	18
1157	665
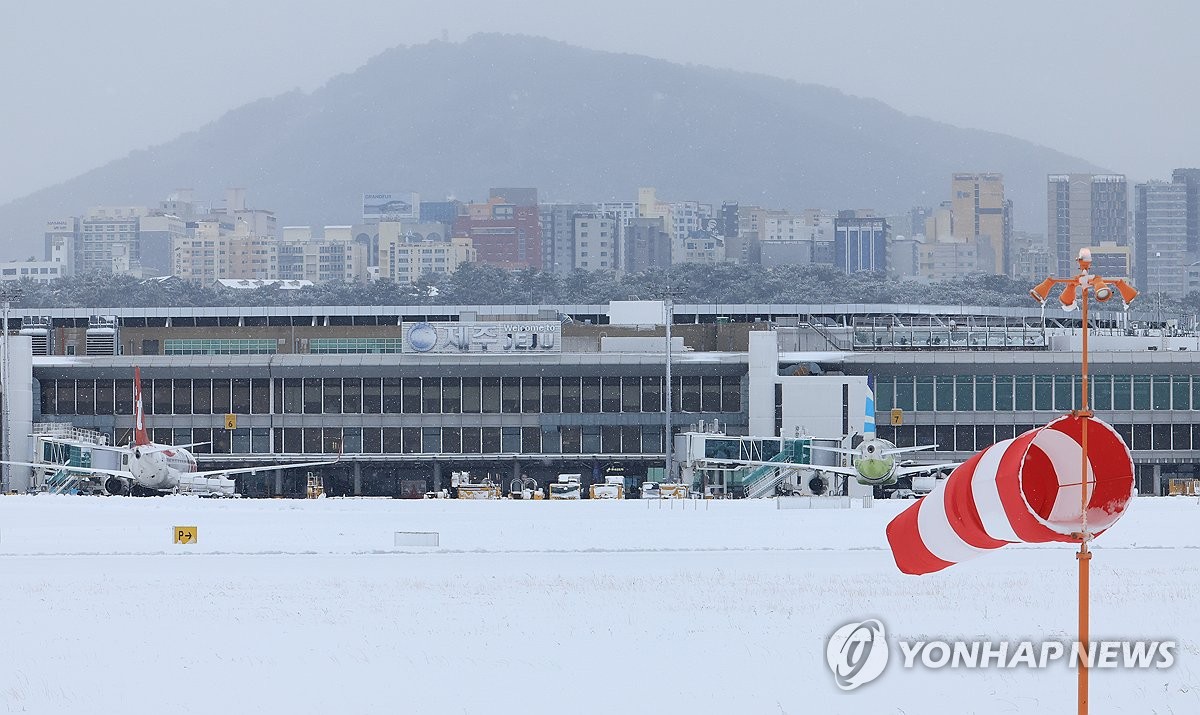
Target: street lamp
1075	294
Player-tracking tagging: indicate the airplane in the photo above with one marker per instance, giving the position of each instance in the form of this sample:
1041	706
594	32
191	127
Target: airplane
152	468
873	462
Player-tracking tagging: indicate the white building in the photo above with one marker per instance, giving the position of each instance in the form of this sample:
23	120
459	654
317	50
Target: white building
335	256
596	242
407	261
36	271
688	216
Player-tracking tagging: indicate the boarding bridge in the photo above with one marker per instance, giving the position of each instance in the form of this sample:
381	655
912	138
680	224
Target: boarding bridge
716	464
63	444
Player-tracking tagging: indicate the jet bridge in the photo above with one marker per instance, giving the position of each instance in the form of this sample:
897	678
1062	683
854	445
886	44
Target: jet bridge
716	464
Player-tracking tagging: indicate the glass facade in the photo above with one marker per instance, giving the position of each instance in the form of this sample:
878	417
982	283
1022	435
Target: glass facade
345	346
393	398
221	346
1043	393
1052	394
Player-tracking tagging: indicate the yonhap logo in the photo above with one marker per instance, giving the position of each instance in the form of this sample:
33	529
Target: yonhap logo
857	653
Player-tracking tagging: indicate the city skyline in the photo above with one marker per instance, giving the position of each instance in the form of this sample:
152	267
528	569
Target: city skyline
122	104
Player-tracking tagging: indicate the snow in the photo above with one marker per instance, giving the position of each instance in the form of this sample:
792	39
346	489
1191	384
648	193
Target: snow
550	607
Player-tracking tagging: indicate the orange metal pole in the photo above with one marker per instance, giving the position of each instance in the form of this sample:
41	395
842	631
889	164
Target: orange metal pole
1084	556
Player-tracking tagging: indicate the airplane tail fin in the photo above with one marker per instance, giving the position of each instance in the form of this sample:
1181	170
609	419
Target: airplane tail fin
869	412
139	412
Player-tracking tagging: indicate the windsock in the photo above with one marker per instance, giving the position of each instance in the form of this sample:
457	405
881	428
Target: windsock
1025	489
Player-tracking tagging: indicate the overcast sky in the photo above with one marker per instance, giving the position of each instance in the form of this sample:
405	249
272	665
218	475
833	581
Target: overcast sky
85	82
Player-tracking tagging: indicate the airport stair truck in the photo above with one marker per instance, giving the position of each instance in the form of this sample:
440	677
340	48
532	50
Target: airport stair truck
763	480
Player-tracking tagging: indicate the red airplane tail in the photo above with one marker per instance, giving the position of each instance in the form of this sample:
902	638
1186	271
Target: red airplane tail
139	412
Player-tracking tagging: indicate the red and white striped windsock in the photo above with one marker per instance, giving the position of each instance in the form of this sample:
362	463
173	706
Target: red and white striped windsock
1025	489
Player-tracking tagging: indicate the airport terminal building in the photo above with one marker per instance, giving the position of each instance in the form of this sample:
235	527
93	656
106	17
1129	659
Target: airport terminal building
407	394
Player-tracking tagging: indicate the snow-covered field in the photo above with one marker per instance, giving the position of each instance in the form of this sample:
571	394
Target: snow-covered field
540	607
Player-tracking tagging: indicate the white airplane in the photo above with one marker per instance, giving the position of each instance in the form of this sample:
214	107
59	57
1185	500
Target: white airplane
155	468
874	462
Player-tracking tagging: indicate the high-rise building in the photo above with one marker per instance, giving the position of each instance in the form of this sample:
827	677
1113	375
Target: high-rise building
646	245
213	252
1160	237
61	237
157	234
336	256
859	242
688	216
1191	179
596	242
407	261
558	235
1084	210
739	248
504	235
101	231
982	214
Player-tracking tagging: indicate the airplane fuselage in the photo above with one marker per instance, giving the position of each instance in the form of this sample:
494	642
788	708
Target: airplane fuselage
158	466
874	464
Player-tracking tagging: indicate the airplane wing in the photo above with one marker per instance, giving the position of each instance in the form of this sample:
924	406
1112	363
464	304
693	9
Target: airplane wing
897	450
839	450
71	468
266	468
922	468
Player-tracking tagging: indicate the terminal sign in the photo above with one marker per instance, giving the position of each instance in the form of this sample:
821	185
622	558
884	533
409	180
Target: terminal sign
495	337
897	416
186	534
230	421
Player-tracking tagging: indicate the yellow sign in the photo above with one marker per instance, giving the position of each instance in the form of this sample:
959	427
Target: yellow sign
186	534
230	421
897	416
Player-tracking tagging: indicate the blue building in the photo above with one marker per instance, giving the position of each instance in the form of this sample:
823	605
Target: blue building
859	243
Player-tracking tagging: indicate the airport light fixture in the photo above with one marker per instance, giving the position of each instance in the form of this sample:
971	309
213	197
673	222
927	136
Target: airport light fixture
1075	295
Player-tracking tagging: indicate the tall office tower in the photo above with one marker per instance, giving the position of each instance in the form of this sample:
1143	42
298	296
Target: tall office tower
1084	210
1191	179
558	235
1160	237
982	215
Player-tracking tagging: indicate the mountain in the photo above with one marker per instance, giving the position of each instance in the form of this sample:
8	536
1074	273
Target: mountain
500	110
